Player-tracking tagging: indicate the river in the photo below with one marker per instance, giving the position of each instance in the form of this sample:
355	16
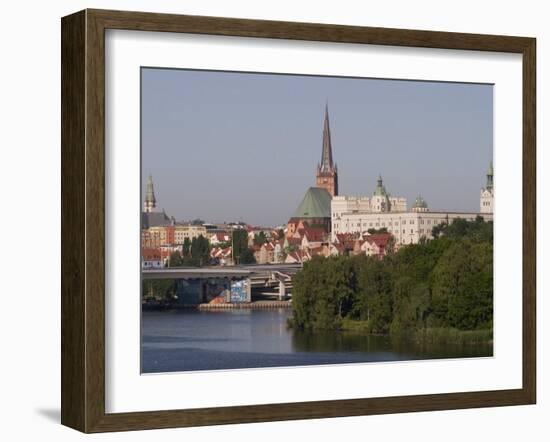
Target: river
185	340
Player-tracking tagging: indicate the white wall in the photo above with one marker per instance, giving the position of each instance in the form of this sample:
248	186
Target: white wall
30	185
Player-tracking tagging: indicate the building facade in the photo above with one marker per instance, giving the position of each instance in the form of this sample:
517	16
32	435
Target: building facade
380	202
356	215
406	227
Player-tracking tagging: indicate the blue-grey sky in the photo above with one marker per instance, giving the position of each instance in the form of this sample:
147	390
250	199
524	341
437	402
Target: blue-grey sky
226	146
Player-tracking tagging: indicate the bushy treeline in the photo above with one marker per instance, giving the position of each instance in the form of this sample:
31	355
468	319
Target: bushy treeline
195	253
444	282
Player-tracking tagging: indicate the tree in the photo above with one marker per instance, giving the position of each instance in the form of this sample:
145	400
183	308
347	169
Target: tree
260	238
175	260
446	282
373	231
159	289
463	286
240	245
437	230
247	257
200	250
186	249
373	300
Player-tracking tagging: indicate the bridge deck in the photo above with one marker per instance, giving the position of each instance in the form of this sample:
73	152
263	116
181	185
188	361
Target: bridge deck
245	271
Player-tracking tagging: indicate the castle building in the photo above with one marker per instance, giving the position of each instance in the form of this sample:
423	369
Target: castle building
487	193
380	202
327	171
356	215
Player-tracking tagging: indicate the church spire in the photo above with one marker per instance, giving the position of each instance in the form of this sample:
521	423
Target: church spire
327	173
150	200
326	155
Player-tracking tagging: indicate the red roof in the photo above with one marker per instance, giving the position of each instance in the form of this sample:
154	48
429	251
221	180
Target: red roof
380	239
221	236
346	240
315	233
150	254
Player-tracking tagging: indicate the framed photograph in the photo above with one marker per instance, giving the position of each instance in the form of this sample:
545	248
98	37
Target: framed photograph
265	220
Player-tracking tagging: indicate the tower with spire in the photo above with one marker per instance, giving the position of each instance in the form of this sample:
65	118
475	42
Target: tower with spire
327	171
487	193
150	202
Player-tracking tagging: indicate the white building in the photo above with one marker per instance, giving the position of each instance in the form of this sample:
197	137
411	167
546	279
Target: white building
359	214
486	197
380	202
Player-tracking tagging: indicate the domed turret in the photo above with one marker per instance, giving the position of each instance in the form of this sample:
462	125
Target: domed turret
420	205
381	199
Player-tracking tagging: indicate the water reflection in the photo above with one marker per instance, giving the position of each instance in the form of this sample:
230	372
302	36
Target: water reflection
199	340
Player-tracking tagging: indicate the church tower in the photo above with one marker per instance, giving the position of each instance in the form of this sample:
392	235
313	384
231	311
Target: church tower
327	171
487	193
150	202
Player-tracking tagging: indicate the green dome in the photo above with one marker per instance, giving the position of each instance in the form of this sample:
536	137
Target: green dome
380	188
315	204
420	203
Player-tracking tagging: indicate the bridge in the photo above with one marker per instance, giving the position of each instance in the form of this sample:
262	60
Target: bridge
263	278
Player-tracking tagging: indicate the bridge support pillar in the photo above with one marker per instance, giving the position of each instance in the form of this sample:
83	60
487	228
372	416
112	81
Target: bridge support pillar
282	291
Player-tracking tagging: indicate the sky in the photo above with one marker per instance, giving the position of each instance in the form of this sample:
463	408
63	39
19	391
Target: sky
233	146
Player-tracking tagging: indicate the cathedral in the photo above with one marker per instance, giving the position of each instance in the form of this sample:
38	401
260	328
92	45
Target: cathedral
314	209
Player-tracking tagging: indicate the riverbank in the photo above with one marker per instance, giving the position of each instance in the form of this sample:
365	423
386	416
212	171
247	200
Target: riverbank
255	305
431	335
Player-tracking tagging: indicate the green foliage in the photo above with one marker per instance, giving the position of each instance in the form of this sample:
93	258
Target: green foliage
187	247
240	243
196	253
241	253
373	231
439	284
463	286
175	260
247	257
158	289
260	239
323	293
200	250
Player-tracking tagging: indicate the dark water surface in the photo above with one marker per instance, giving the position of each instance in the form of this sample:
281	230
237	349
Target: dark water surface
182	340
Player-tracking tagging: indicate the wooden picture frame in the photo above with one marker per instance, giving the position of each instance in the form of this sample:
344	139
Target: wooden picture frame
83	220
